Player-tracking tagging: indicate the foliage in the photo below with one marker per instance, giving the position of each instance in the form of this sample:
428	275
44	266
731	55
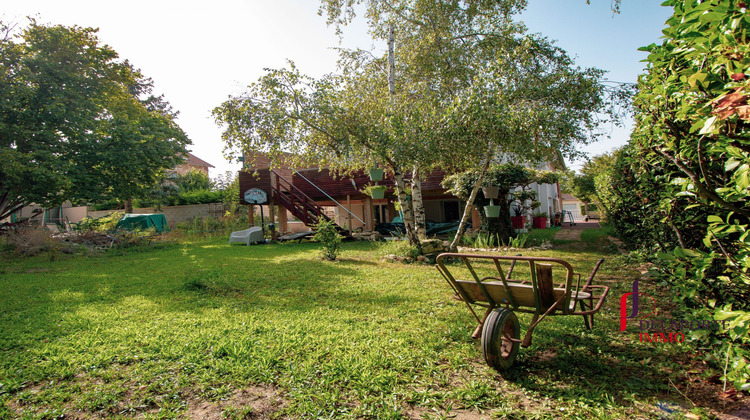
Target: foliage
28	241
464	84
193	180
326	233
683	185
229	185
369	189
100	224
199	197
75	122
211	226
506	177
401	251
484	240
519	241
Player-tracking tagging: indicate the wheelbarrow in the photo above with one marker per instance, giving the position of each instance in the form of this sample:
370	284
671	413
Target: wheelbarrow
490	281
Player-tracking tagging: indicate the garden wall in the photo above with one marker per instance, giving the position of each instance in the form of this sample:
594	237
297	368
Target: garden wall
174	214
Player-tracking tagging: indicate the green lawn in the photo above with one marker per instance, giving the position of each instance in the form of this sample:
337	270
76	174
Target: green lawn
204	329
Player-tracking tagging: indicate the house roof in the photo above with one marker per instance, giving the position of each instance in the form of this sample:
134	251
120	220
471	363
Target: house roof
568	197
196	161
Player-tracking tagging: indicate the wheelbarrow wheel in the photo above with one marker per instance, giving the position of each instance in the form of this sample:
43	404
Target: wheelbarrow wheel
498	350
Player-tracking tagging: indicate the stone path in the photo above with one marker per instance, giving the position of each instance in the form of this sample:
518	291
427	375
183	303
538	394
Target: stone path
573	233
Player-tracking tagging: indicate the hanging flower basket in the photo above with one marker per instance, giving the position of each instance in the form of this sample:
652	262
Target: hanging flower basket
492	210
377	192
490	192
376	174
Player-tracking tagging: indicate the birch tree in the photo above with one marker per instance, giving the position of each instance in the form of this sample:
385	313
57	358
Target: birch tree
494	91
459	85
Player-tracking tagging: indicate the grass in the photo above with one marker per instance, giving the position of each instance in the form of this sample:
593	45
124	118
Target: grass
591	236
543	235
204	329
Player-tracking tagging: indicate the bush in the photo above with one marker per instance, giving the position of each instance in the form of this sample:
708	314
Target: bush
29	241
101	224
401	251
207	226
684	185
326	233
198	197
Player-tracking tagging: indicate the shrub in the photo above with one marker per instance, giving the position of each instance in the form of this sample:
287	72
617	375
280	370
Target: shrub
101	224
28	241
208	226
400	251
326	233
690	164
481	240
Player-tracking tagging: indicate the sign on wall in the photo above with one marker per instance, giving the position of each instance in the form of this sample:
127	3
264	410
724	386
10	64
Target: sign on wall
255	196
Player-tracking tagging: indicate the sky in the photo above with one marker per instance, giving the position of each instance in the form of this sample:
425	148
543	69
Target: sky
198	53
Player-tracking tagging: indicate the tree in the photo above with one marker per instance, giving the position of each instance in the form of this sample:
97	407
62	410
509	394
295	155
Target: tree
463	83
583	185
507	177
76	123
193	180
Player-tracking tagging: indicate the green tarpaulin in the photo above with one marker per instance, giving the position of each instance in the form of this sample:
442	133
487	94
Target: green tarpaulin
143	221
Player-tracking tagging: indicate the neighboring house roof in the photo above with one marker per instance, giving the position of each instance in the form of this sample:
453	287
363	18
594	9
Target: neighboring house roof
193	160
568	197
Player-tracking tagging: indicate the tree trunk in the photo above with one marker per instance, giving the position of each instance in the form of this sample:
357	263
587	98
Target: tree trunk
420	221
469	203
406	209
129	205
391	62
500	226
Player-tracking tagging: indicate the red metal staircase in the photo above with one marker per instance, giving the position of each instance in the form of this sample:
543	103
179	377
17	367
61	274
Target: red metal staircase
299	204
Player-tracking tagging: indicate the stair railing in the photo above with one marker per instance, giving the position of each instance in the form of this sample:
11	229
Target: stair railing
300	204
330	198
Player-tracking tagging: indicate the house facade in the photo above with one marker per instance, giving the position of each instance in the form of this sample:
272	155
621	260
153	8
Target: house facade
341	198
192	162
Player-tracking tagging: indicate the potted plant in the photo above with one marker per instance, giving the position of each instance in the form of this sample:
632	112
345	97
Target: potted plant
492	210
375	191
376	174
490	191
517	220
540	220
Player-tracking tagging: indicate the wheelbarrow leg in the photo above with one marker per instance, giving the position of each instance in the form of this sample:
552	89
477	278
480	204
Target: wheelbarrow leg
588	320
478	332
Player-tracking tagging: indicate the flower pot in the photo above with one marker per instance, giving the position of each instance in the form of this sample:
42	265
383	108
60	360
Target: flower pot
492	211
490	192
540	222
517	221
376	174
378	193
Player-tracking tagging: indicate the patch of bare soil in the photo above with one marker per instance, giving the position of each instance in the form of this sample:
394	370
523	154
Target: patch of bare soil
257	402
421	413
